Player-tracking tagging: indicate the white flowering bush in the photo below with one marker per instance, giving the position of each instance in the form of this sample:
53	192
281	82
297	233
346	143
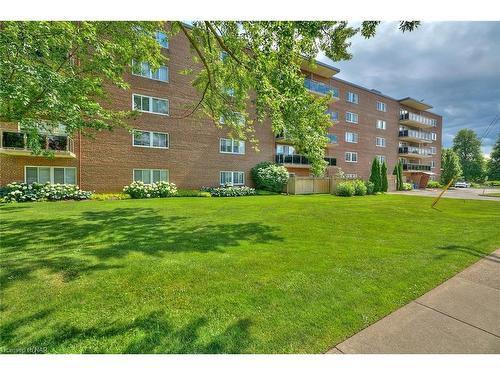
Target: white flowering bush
270	176
229	191
140	190
22	192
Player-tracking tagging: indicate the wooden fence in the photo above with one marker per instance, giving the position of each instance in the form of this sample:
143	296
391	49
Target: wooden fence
320	185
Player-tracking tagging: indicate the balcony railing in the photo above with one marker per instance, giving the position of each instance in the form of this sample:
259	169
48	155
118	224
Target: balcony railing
413	118
300	159
417	151
423	136
15	142
321	88
416	167
334	115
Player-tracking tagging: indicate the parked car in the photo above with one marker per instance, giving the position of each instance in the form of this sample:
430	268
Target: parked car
462	184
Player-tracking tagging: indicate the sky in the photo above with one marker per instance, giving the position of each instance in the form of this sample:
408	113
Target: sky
453	66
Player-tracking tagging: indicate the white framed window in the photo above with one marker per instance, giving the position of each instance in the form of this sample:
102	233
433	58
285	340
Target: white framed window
381	107
285	150
351	117
142	138
351	176
334	115
149	176
150	104
351	137
54	175
381	158
381	124
231	146
433	150
162	39
352	97
433	164
351	157
144	70
232	178
332	138
433	136
380	142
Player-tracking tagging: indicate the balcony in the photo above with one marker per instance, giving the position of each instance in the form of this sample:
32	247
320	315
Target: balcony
419	121
415	152
321	88
299	161
334	115
15	143
411	167
415	136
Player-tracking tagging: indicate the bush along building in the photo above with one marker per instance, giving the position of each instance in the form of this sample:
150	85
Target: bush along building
192	152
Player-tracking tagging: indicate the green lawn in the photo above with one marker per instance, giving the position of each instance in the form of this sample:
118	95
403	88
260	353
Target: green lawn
262	274
492	195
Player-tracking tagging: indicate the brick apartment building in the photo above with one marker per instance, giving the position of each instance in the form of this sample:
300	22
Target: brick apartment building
192	152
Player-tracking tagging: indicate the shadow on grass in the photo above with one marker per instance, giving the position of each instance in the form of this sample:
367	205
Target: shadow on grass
84	243
151	333
453	248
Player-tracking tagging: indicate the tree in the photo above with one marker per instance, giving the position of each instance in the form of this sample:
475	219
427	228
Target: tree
400	175
494	162
450	163
375	176
57	72
468	148
383	175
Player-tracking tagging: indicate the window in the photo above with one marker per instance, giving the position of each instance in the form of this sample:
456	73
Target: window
285	150
332	138
351	137
433	164
54	175
380	142
381	124
162	39
433	136
334	115
381	107
149	176
142	138
381	158
231	146
351	176
352	97
433	150
351	157
239	117
351	117
144	70
232	178
223	55
149	104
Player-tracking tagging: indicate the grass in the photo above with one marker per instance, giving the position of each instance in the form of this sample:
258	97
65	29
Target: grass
267	274
491	194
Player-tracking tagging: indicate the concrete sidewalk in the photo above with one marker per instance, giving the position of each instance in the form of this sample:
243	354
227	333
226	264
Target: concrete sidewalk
462	315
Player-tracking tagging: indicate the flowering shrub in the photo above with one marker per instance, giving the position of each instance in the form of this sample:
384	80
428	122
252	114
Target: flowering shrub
345	189
139	189
434	185
407	186
359	187
229	191
269	176
22	192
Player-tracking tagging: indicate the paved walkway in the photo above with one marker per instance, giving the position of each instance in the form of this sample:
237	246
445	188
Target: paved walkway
458	193
462	315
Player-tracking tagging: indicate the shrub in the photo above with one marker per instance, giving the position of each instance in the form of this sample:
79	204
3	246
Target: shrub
269	176
375	175
192	193
139	189
345	189
407	186
229	191
384	184
22	192
370	187
359	187
109	196
434	185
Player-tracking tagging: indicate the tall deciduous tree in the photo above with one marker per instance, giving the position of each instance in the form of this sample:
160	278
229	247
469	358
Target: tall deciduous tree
57	71
467	146
494	162
450	164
